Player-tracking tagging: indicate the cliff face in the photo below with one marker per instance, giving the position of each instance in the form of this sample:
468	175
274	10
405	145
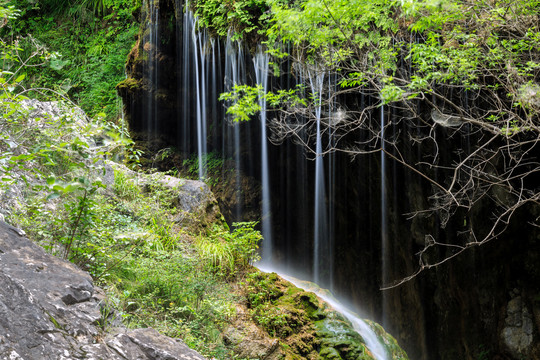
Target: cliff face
50	309
481	304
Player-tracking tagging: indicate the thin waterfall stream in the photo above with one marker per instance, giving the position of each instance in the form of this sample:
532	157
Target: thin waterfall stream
316	82
199	39
384	215
235	74
261	61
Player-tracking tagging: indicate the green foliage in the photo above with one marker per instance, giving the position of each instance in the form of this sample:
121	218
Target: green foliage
124	186
321	27
213	166
80	211
481	47
166	238
244	101
87	41
129	242
126	238
230	252
241	16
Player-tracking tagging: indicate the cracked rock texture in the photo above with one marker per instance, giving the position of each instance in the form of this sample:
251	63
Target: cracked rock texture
518	332
49	309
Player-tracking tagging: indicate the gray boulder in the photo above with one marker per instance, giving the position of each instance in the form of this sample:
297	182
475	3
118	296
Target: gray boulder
196	206
49	309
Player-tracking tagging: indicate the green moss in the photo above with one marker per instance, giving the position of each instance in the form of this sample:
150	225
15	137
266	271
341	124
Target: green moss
390	343
337	334
329	353
129	84
309	329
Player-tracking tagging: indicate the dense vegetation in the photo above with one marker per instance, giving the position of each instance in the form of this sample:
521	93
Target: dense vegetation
82	47
401	53
57	184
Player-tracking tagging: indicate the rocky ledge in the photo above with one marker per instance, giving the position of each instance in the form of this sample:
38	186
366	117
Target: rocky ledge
49	309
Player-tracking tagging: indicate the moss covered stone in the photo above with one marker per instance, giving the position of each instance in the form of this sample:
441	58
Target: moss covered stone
129	84
307	327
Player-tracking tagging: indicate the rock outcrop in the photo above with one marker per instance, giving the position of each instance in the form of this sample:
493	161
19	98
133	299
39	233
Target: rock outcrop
50	309
196	205
292	323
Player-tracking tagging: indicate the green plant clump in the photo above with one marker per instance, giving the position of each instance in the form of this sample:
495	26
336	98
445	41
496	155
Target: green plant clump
244	17
230	252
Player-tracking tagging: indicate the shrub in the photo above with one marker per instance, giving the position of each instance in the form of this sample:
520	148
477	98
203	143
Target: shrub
230	252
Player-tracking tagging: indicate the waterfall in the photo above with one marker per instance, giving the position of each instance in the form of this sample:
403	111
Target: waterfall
200	73
316	81
199	41
302	207
260	62
186	83
235	74
333	119
384	222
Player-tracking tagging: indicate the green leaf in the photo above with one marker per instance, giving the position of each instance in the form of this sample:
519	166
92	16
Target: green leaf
53	196
58	188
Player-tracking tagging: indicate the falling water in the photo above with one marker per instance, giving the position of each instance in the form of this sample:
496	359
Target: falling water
333	119
360	326
151	67
200	43
316	80
183	53
199	68
384	224
235	74
260	62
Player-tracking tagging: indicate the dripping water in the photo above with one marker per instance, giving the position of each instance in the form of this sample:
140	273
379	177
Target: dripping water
384	220
333	118
316	81
234	74
260	62
199	41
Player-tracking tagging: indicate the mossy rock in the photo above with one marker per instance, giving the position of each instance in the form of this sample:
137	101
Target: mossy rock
394	351
338	337
129	84
307	326
330	353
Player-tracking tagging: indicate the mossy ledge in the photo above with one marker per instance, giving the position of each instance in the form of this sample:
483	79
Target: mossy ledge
304	326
